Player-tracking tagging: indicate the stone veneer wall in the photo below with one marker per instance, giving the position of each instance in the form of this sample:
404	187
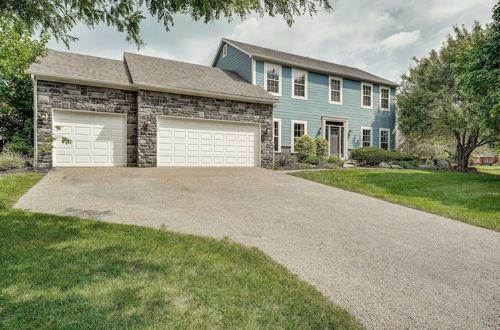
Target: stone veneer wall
151	104
64	96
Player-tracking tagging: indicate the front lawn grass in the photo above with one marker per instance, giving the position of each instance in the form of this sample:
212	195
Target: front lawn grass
67	273
471	198
491	169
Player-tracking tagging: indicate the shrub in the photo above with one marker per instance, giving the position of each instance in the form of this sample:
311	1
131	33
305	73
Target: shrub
304	147
321	148
374	156
408	164
336	160
313	160
285	159
9	160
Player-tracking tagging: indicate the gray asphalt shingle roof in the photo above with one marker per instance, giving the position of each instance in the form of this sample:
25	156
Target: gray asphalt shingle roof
159	72
146	72
309	63
83	67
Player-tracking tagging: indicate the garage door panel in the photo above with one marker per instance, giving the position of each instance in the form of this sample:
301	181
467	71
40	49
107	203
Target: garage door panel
97	139
189	142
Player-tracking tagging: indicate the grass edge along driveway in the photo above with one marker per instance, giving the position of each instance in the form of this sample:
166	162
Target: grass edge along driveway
65	272
471	198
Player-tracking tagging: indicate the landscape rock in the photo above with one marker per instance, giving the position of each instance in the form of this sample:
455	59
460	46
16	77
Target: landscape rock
384	165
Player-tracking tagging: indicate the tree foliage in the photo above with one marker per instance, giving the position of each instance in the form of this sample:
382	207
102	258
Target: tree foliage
18	49
58	17
453	93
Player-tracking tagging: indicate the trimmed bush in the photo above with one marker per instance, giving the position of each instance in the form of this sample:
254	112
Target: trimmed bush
375	156
304	147
314	160
321	148
335	160
10	160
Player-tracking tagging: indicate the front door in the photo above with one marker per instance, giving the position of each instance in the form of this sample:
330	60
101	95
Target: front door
335	140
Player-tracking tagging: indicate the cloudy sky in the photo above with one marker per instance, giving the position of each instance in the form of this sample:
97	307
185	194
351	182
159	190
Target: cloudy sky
378	36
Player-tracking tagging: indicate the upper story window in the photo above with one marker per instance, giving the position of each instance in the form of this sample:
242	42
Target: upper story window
335	90
224	51
272	78
366	137
366	95
384	139
299	84
384	98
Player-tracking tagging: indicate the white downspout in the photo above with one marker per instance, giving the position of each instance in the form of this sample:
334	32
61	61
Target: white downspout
35	122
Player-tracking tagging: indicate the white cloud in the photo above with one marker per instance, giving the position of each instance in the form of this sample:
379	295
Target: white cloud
400	39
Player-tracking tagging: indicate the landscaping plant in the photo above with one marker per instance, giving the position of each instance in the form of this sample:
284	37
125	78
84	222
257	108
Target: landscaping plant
10	160
304	147
321	148
374	156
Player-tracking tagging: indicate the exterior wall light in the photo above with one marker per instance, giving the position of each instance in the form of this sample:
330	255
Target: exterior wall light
147	123
43	116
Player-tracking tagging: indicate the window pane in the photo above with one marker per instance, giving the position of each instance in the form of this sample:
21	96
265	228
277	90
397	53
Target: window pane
273	77
384	140
298	130
299	90
335	90
367	100
384	98
366	138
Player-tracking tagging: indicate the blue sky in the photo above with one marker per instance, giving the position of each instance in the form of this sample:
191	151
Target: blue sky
378	36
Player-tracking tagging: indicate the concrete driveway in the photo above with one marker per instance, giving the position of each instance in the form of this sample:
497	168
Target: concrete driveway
391	266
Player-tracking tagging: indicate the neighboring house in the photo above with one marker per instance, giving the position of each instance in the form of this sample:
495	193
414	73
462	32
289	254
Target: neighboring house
486	155
146	111
351	108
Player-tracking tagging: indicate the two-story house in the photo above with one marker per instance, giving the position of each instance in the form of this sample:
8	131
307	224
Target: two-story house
351	108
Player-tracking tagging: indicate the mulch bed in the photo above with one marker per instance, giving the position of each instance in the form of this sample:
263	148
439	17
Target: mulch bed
22	170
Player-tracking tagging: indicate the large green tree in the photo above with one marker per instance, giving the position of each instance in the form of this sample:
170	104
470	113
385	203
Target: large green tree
58	17
18	49
438	98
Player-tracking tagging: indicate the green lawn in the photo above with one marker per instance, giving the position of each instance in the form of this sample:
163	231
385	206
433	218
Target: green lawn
64	272
493	169
470	198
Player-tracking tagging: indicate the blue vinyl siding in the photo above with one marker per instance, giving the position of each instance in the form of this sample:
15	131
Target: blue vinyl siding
236	61
317	105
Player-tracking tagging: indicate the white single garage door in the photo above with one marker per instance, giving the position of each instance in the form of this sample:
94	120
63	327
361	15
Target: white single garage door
97	139
192	142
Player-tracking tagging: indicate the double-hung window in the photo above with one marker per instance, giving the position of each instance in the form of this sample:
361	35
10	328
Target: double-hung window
366	96
366	136
299	128
277	134
335	90
299	84
384	98
272	78
384	138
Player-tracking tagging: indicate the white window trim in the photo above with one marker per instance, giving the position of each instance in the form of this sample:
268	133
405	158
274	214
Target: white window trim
380	99
371	135
291	131
254	72
278	120
388	138
330	90
371	95
224	51
280	84
293	84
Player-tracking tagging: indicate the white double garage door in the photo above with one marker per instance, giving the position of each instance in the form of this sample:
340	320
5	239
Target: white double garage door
100	140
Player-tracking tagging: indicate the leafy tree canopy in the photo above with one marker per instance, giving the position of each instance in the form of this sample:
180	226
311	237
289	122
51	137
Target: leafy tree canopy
58	17
453	93
18	49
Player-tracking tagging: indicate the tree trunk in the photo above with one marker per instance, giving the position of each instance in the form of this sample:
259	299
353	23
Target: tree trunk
463	158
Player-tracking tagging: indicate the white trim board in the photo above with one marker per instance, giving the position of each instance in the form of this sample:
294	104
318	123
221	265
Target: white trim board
280	132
